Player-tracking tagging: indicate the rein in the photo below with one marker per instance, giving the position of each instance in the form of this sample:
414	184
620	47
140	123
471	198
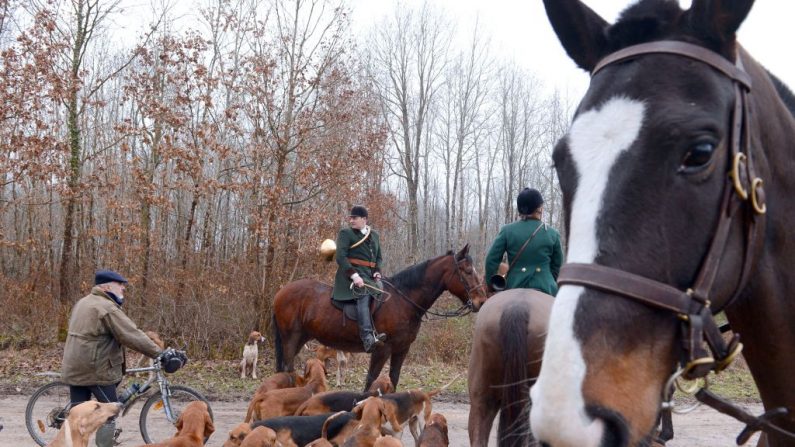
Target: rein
462	310
743	196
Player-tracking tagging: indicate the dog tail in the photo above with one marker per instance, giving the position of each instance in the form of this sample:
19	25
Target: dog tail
324	431
514	424
437	391
300	410
277	341
252	412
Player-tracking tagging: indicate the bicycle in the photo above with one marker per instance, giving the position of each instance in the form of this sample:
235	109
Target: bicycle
48	407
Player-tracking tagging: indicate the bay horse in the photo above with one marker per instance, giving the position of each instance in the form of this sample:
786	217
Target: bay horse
507	345
302	310
677	185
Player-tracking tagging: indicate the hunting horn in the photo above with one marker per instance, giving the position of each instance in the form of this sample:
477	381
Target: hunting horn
497	281
328	249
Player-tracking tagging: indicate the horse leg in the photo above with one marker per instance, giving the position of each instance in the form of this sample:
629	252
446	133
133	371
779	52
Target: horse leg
292	344
377	361
484	372
482	411
395	365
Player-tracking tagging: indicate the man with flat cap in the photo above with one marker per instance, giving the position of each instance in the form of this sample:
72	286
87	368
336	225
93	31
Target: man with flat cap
93	358
359	273
533	248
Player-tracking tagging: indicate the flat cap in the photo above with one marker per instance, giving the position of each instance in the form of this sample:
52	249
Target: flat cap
103	276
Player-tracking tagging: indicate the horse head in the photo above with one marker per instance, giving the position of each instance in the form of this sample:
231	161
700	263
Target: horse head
464	281
644	171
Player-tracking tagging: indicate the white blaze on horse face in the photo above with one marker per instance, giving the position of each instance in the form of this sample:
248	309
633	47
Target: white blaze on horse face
596	139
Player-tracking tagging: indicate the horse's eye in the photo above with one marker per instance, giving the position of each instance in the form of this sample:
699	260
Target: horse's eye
698	157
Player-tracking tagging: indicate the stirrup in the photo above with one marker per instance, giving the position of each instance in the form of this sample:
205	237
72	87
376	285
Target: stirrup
371	343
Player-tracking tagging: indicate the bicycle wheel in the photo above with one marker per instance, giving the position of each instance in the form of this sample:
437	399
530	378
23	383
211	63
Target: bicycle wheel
46	411
154	425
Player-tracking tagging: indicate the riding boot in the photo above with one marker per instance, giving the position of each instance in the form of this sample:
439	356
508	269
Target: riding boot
106	434
370	339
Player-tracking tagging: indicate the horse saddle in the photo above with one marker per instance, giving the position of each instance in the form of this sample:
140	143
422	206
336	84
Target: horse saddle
348	308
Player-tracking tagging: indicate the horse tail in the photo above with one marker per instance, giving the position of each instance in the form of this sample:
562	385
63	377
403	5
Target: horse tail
277	341
514	425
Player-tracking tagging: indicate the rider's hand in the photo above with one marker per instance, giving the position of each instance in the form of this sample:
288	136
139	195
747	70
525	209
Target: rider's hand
357	280
377	276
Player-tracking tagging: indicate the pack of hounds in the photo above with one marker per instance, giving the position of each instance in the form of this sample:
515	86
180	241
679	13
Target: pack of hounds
294	410
290	409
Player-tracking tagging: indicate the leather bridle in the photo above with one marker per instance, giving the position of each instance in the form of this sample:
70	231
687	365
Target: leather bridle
482	285
742	203
693	306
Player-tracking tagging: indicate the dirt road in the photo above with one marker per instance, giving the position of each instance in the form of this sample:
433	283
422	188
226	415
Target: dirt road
702	428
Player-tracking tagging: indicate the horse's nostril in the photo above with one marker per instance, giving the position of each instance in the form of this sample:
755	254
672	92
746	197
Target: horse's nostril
544	444
616	431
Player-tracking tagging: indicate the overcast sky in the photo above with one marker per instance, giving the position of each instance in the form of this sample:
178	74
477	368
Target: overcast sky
520	29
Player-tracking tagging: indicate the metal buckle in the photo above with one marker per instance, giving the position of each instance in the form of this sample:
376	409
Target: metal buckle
735	175
756	184
692	365
726	361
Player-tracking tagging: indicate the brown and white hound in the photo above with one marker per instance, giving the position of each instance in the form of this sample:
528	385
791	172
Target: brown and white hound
285	401
83	420
435	432
251	354
275	382
372	414
193	426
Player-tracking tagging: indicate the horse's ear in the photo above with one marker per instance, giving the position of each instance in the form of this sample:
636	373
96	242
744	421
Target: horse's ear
580	30
717	21
463	253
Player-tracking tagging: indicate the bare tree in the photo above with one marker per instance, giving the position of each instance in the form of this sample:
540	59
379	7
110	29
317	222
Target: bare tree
464	98
408	58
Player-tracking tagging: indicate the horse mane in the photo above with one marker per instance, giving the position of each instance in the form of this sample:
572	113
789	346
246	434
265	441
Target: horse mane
786	95
409	277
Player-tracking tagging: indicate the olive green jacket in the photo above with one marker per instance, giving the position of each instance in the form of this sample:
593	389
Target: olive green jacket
98	328
369	250
538	265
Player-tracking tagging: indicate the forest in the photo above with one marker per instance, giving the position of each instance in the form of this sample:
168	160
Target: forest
207	159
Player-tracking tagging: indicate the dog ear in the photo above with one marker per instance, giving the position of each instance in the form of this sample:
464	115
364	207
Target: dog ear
179	424
209	427
358	409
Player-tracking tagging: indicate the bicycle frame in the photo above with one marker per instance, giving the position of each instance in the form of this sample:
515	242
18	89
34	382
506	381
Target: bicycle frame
162	383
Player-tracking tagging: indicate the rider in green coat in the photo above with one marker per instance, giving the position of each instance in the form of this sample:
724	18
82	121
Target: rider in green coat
539	263
359	272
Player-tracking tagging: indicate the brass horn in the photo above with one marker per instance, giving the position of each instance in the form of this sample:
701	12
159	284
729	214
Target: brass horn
497	281
328	249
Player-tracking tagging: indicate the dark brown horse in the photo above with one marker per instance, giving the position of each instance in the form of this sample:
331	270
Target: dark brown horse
302	310
678	192
506	357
